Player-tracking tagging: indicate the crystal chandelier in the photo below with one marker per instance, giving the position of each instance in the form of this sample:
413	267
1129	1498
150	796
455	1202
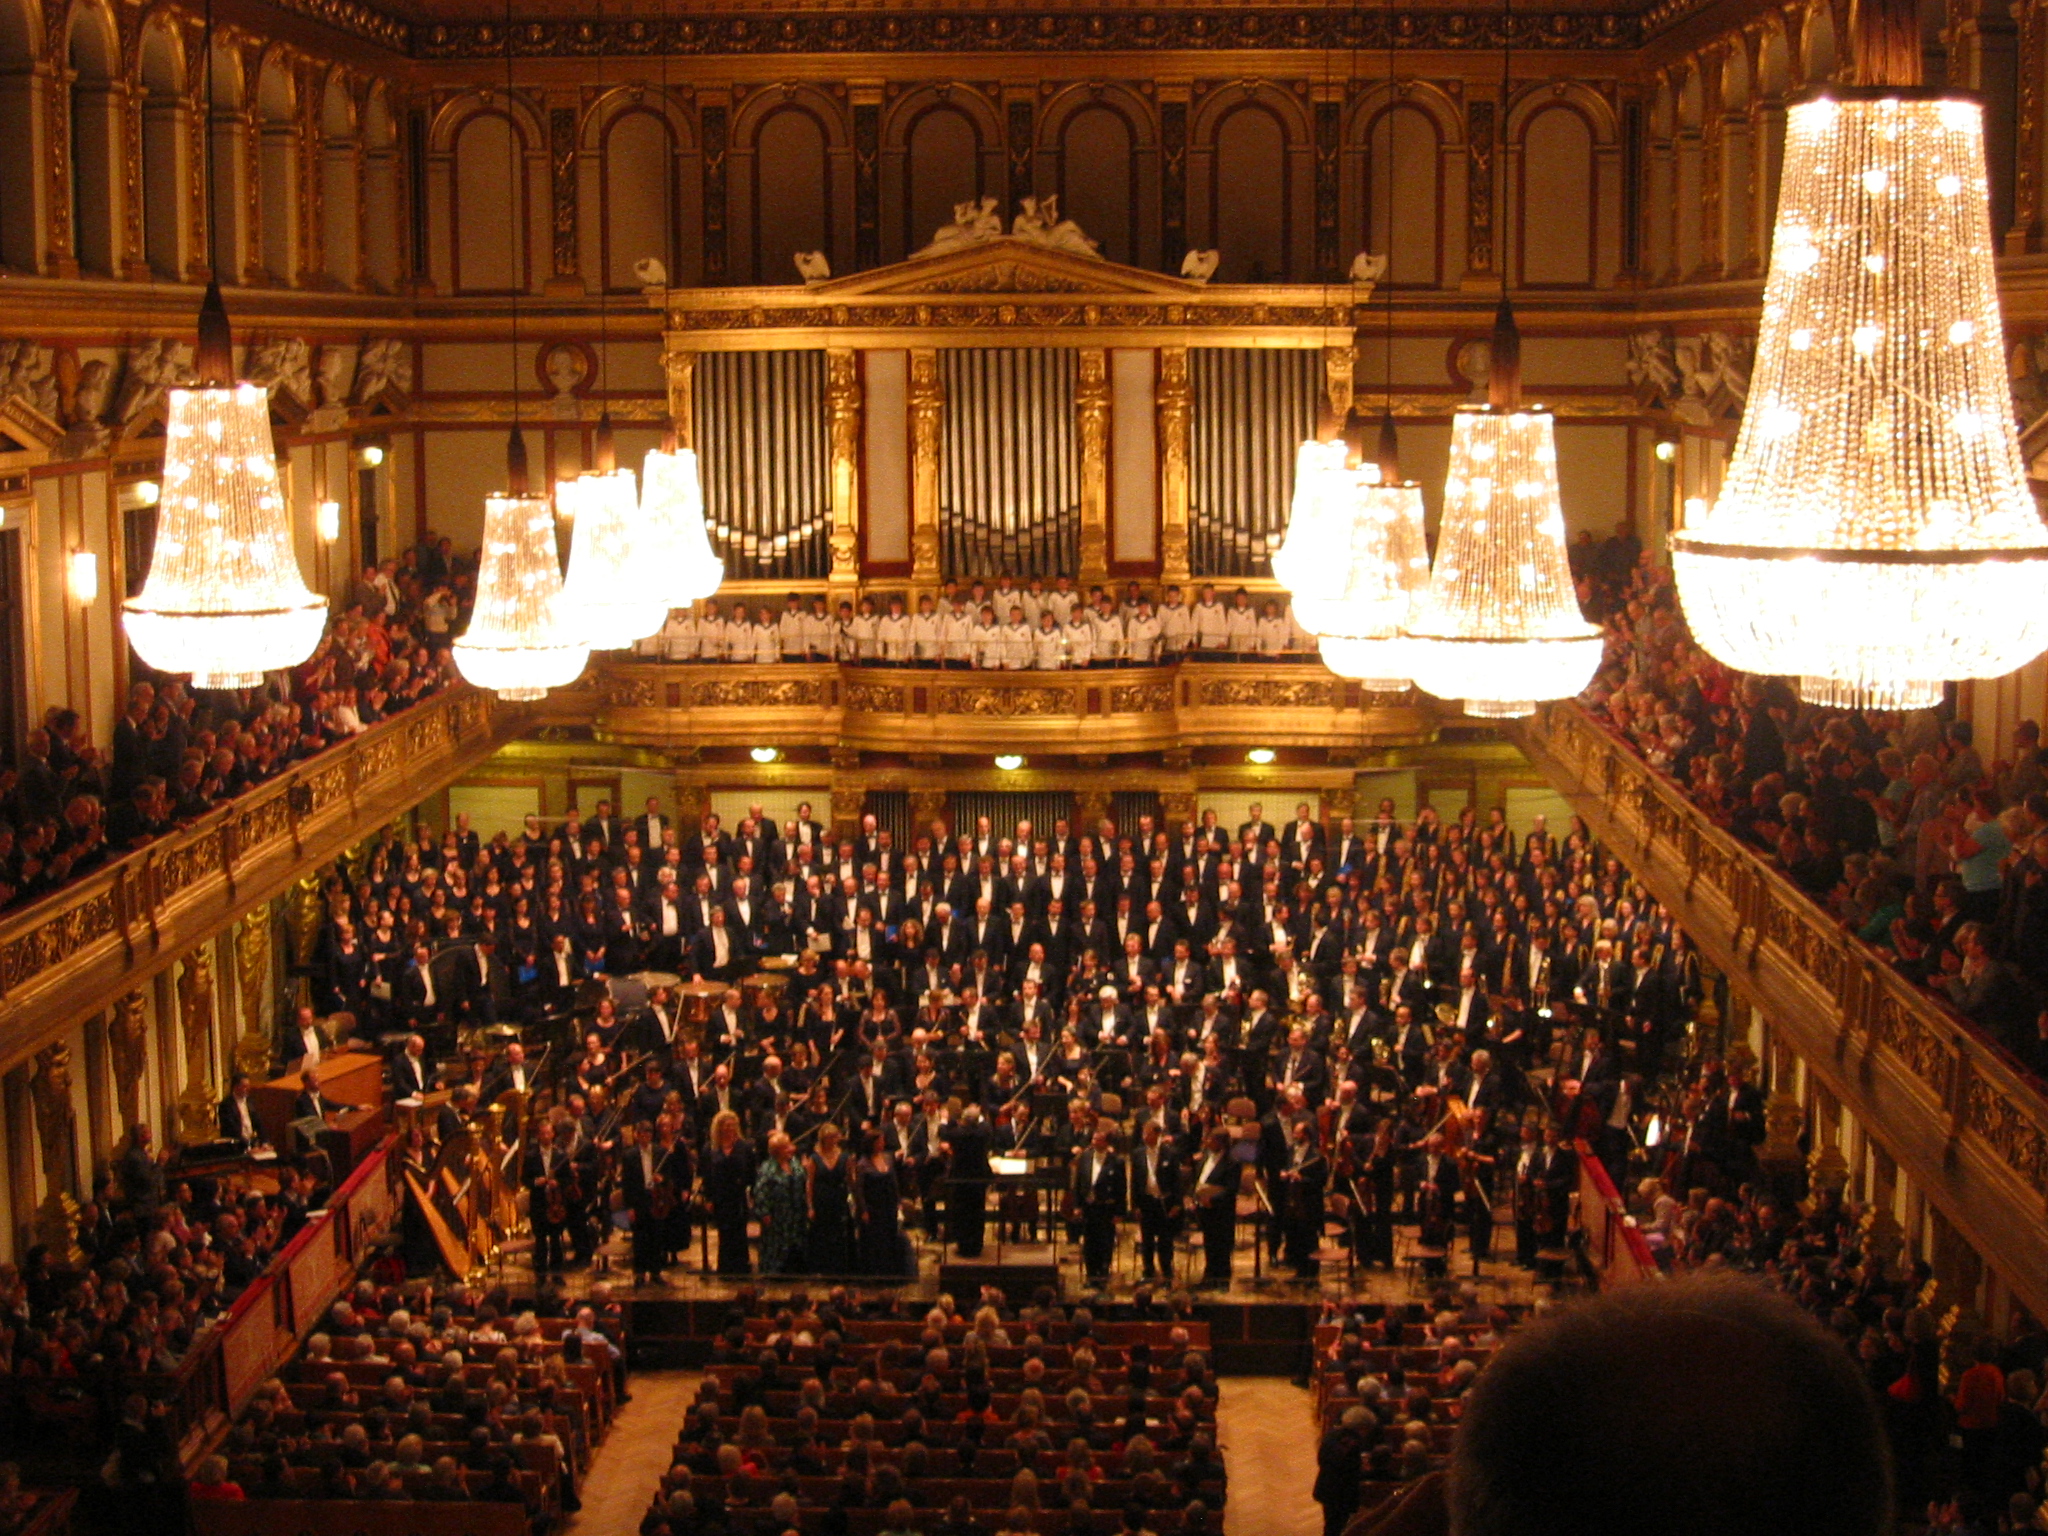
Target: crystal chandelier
1386	571
1309	561
672	514
224	599
1499	625
515	643
615	592
1875	534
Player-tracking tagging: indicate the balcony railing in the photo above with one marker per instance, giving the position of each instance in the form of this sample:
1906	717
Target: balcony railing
925	709
74	952
1937	1095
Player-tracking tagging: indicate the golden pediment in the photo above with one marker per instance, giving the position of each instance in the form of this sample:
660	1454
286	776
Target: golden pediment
1006	264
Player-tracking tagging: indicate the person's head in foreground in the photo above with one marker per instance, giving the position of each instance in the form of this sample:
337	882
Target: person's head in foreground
1705	1407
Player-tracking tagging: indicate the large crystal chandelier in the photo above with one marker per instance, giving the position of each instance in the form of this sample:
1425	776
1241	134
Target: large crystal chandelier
224	599
672	516
1499	625
616	590
1386	571
515	644
1875	533
1310	560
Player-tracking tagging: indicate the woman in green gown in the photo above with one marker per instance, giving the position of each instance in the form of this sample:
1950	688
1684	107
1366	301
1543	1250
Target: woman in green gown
779	1199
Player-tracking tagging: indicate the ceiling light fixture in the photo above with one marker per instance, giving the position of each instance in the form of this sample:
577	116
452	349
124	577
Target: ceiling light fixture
1875	534
224	599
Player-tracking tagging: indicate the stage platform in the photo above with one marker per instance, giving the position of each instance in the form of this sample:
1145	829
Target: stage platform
1260	1323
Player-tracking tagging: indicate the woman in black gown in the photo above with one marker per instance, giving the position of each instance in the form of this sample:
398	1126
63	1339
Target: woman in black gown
728	1176
829	1197
876	1193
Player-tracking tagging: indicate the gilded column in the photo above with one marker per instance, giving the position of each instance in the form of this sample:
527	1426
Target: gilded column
198	234
2027	143
62	244
679	366
250	132
135	261
842	413
1337	368
927	420
1091	402
312	210
1172	402
1713	238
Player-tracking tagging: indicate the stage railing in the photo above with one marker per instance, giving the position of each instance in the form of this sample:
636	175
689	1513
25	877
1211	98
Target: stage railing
269	1320
1615	1248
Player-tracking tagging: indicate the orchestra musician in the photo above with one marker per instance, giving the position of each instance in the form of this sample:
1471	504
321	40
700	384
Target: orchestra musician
1217	1178
1300	1192
553	1192
1156	1193
647	1183
1100	1191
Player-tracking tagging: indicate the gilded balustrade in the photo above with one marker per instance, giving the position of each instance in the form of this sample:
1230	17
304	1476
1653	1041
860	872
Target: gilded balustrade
79	949
1926	1085
918	709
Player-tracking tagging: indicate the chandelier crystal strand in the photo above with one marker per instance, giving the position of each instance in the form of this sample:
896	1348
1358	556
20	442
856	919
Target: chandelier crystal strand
515	643
1499	625
616	590
1875	533
224	600
672	515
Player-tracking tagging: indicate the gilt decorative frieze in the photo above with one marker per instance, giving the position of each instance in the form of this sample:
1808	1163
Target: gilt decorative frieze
874	698
1009	702
1272	693
895	31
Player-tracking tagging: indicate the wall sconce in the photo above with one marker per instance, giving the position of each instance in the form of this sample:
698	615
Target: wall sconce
369	456
1263	756
765	754
1009	762
146	493
85	576
1666	451
327	521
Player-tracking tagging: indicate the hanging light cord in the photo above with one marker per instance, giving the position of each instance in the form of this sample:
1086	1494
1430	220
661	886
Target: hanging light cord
1504	381
515	445
604	455
1389	454
214	359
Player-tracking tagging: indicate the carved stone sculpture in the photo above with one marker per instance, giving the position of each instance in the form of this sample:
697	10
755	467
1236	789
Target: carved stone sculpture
89	394
1038	221
195	1023
1713	374
1367	269
385	368
128	1047
812	266
1651	368
56	1120
252	974
973	222
1200	266
29	373
651	272
335	376
153	367
284	364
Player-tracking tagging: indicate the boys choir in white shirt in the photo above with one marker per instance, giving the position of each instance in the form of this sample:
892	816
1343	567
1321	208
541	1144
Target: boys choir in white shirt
1009	629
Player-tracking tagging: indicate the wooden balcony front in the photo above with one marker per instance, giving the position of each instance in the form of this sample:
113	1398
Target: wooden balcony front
1943	1101
70	955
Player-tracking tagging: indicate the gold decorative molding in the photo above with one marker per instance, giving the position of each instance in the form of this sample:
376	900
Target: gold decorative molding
925	713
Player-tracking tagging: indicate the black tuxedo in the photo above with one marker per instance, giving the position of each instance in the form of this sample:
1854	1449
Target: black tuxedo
1158	1181
1101	1188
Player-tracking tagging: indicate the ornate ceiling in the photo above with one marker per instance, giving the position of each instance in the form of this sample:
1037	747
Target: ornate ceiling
471	29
